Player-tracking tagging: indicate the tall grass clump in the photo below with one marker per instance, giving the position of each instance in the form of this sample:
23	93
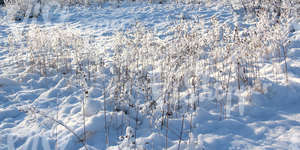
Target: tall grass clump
222	58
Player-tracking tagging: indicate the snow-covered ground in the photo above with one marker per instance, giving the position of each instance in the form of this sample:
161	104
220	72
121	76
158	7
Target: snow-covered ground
41	110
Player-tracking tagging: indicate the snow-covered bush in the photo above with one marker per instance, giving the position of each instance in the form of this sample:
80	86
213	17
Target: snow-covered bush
274	8
128	141
18	9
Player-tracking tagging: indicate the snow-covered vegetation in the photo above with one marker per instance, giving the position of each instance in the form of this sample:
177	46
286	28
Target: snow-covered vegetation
184	74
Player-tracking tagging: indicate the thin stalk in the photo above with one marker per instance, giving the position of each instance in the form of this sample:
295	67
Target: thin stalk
181	132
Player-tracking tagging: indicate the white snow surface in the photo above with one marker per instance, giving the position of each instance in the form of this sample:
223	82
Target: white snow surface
270	121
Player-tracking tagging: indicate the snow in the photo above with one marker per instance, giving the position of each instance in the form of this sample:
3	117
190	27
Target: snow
37	111
93	106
